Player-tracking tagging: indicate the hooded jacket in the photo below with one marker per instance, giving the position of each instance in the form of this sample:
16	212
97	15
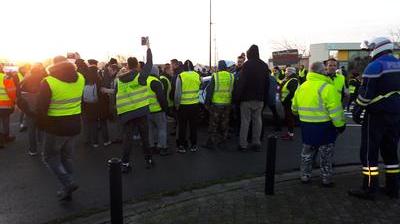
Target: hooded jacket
253	83
64	125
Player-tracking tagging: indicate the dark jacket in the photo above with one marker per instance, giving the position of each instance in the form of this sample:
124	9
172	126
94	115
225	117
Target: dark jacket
291	86
92	111
64	125
253	83
30	87
142	79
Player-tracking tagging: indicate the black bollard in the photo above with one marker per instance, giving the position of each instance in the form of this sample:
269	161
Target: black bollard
114	165
270	165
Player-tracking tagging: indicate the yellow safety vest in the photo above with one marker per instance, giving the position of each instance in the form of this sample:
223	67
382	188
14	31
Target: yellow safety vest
317	100
3	92
302	73
20	76
131	96
339	82
190	87
154	104
169	89
352	89
223	88
285	90
66	97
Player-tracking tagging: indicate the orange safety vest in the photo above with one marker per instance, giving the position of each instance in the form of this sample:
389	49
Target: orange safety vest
8	92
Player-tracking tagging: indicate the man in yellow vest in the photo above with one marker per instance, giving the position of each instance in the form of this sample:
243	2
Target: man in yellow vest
318	104
218	99
354	85
302	73
290	84
132	103
165	79
339	80
187	103
157	118
59	116
8	94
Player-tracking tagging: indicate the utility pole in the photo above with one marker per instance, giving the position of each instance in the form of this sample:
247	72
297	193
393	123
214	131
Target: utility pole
209	62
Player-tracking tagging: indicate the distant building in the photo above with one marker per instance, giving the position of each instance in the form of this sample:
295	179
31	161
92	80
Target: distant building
343	52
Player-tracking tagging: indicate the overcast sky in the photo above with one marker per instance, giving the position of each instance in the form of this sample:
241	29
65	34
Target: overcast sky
38	29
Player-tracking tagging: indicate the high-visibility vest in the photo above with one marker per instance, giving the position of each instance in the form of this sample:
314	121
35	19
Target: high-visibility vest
317	100
154	105
339	82
285	90
302	73
131	96
223	88
6	86
352	88
20	76
66	97
169	89
190	87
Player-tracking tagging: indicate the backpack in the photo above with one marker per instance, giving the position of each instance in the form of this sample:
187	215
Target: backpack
90	94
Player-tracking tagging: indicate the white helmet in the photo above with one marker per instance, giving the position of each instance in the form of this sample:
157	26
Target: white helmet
377	45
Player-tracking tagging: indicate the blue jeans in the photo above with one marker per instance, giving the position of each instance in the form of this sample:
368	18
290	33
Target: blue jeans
57	155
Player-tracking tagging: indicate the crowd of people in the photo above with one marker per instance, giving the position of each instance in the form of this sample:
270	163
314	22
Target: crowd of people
139	97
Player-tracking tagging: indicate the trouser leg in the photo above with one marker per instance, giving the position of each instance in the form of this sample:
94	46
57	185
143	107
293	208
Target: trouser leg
326	156
127	141
245	118
104	130
193	121
53	145
256	117
152	129
307	155
224	122
162	129
182	125
143	127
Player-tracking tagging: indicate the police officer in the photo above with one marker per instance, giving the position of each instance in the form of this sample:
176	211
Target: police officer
132	105
318	105
187	103
58	114
218	99
379	97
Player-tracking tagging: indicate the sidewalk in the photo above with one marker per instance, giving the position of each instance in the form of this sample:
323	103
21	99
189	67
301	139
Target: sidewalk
245	202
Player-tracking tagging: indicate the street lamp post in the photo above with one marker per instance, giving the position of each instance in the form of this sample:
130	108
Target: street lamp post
209	62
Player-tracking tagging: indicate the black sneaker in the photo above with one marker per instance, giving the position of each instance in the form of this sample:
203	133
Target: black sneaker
362	194
149	163
181	149
164	152
193	148
66	194
126	167
242	149
31	152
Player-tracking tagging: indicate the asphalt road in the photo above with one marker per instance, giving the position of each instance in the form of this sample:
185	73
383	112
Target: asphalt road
28	188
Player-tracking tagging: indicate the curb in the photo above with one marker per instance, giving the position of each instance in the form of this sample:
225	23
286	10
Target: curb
135	208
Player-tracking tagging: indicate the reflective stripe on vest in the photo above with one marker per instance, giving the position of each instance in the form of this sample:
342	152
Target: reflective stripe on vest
131	96
153	102
310	106
169	89
190	87
223	88
66	97
285	90
376	99
5	101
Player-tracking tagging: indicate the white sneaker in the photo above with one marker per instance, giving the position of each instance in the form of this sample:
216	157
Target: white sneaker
107	143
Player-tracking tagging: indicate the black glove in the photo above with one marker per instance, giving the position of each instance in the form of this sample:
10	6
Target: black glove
340	130
357	111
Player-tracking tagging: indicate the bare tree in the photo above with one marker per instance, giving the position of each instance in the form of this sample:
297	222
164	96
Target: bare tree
287	45
395	35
